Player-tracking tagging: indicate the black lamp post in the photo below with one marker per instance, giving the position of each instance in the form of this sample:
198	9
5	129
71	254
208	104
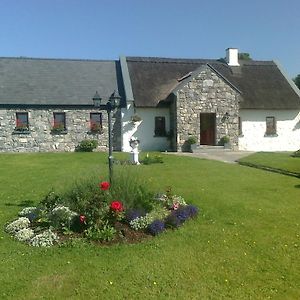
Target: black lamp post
112	103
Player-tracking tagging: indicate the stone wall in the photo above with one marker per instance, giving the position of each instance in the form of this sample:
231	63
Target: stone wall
207	92
39	137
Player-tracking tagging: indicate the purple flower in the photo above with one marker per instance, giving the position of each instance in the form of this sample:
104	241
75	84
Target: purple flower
156	227
192	210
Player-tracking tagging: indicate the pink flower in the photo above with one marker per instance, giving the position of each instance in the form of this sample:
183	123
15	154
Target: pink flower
82	218
175	205
104	185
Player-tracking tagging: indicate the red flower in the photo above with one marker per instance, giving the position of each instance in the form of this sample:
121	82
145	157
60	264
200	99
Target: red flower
116	206
82	219
104	185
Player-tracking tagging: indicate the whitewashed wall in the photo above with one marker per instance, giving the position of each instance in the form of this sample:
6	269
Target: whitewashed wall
254	129
144	130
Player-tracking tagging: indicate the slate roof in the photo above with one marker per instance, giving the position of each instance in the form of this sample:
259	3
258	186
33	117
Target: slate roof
30	81
261	83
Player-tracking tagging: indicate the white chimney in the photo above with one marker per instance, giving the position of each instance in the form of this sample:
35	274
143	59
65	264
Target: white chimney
232	57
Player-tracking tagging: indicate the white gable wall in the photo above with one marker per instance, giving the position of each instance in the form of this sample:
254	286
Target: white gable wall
254	129
144	130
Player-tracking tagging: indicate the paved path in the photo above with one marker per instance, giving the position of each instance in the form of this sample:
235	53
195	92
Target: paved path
223	155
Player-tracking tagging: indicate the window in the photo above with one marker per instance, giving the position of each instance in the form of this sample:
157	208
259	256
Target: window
160	126
240	126
59	123
22	121
96	122
270	126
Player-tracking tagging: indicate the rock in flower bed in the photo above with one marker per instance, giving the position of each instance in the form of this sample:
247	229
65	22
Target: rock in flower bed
94	212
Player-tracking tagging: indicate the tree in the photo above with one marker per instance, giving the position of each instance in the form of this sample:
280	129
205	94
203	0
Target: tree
244	56
297	81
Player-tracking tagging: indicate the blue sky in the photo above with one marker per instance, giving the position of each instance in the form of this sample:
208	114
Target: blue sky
106	29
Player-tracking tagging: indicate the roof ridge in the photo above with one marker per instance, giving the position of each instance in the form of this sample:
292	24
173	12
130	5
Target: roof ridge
155	59
57	59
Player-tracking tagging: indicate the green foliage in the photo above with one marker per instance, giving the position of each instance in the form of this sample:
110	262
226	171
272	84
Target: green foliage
132	189
297	81
152	159
244	56
104	233
51	200
224	140
191	140
59	128
86	146
296	153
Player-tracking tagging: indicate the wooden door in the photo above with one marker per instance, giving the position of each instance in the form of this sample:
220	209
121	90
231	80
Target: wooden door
207	128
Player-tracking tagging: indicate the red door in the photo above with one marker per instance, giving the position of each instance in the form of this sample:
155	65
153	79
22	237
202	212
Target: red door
207	128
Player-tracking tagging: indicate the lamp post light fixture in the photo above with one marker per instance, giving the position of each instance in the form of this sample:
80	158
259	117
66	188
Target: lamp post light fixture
112	103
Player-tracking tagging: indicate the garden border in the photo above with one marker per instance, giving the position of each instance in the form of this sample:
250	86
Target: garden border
270	169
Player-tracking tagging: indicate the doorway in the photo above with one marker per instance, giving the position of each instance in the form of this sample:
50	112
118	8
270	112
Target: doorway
207	129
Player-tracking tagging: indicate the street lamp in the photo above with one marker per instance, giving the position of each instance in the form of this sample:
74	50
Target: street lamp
112	103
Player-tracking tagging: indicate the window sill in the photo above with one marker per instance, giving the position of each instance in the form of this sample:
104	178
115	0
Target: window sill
271	135
21	132
95	132
59	132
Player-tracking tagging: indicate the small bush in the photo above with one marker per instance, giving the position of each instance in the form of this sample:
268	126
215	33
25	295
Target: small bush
224	140
155	159
191	140
86	146
296	153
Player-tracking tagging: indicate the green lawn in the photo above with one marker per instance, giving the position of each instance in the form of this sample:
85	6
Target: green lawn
277	160
245	244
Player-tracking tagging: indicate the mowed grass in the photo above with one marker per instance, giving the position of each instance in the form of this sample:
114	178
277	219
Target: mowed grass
278	160
245	244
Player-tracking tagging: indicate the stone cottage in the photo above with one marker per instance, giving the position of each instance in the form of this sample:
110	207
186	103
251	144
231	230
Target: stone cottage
46	104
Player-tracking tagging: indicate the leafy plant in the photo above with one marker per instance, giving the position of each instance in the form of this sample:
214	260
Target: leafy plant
296	153
58	128
149	159
86	146
191	140
104	233
224	140
133	189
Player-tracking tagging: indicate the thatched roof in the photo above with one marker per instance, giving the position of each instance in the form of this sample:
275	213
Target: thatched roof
261	83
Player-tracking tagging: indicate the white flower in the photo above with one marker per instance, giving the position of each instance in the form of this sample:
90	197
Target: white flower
17	225
24	235
44	239
26	211
63	213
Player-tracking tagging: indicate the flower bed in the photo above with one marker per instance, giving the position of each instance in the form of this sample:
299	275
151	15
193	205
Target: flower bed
94	212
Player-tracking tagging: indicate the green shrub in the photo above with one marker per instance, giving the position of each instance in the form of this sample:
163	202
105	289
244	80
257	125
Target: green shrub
224	140
105	233
191	140
131	189
296	153
155	159
86	146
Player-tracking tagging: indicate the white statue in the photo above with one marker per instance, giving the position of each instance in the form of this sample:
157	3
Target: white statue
134	144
